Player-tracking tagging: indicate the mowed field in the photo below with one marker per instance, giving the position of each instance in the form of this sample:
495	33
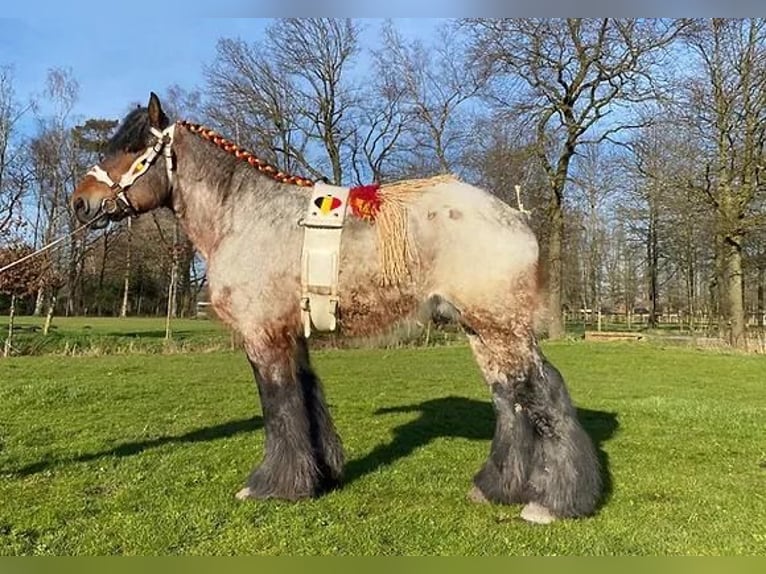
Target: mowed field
142	454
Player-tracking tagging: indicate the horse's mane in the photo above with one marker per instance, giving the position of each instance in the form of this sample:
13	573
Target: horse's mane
132	133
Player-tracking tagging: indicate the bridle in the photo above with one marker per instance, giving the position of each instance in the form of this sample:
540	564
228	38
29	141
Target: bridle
120	202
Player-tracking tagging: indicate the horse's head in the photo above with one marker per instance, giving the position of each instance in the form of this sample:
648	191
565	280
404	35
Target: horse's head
131	179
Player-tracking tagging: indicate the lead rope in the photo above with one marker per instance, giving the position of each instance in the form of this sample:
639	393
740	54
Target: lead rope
51	245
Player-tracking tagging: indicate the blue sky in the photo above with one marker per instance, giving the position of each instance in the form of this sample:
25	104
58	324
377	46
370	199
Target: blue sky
117	65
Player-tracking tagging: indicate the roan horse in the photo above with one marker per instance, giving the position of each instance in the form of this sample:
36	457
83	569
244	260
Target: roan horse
470	258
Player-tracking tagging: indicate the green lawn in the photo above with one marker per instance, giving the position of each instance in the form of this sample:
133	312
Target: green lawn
142	454
96	336
113	335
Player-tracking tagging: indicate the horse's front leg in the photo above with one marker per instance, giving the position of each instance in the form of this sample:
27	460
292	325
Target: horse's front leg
303	455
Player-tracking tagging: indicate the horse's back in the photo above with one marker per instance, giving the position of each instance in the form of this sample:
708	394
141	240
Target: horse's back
471	241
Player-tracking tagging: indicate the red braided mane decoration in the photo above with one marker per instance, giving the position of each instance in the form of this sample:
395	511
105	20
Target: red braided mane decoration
232	148
363	200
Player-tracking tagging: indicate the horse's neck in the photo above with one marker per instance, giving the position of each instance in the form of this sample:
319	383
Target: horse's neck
211	204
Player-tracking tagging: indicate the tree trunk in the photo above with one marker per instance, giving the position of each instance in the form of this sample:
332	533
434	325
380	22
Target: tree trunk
49	314
718	291
735	303
653	259
126	280
75	276
39	300
101	274
11	316
555	323
690	291
761	302
171	302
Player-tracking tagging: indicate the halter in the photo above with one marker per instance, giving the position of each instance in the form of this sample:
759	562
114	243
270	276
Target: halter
120	202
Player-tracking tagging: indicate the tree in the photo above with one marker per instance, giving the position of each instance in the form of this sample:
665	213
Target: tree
289	96
431	85
13	172
92	136
664	215
595	184
652	172
728	94
56	166
569	78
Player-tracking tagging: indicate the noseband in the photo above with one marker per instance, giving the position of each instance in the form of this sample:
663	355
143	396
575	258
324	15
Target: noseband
120	202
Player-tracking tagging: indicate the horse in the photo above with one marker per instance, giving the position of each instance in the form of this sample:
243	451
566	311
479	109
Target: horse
463	255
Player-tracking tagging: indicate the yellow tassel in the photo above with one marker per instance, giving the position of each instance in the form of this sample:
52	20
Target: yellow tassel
397	254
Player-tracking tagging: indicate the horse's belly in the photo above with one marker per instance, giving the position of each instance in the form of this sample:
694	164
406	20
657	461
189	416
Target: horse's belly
372	309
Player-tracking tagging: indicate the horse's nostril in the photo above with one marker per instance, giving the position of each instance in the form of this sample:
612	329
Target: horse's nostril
80	205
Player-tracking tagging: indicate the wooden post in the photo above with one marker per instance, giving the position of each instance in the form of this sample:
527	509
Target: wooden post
169	314
172	286
126	279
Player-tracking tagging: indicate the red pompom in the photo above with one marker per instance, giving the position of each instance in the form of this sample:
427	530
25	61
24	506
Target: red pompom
364	201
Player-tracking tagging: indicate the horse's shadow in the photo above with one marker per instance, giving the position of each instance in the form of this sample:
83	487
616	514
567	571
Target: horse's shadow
457	417
470	419
214	432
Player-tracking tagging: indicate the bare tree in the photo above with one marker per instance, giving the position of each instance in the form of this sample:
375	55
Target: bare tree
652	178
432	85
317	53
575	81
56	165
377	145
664	215
595	185
728	92
13	169
498	157
290	94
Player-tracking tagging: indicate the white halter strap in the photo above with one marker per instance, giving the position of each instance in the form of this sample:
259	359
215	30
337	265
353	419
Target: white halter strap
162	145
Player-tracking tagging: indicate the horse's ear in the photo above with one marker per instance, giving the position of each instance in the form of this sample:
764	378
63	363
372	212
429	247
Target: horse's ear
157	118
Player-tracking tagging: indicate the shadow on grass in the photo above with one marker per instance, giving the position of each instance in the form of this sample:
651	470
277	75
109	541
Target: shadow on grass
444	417
470	419
215	432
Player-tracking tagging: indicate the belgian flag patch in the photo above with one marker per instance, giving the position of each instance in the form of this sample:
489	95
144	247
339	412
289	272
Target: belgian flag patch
327	203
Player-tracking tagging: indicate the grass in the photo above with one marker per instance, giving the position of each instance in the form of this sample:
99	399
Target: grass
113	335
97	336
142	455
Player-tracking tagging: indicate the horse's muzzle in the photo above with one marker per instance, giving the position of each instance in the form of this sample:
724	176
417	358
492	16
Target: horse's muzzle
85	213
81	210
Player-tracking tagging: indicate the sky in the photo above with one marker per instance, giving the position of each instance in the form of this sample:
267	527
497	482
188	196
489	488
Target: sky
118	65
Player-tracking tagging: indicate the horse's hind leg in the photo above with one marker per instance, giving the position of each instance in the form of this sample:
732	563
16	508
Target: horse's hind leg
303	455
540	454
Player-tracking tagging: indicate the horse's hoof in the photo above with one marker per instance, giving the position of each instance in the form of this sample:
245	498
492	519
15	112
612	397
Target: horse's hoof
244	494
537	514
477	496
